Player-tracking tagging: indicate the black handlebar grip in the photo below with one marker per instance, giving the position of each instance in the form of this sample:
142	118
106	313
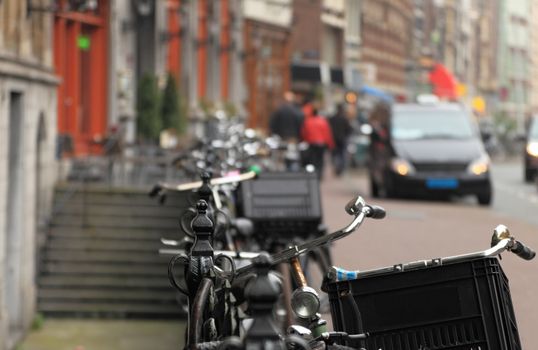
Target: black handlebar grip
376	212
155	191
523	251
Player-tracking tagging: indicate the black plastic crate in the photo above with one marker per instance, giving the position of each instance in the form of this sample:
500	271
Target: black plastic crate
460	306
282	203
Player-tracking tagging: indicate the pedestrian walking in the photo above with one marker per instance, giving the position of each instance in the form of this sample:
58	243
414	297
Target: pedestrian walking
308	108
378	150
286	122
317	133
287	119
113	149
341	130
379	120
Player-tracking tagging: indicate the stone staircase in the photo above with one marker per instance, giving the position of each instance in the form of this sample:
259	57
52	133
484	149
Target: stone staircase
101	255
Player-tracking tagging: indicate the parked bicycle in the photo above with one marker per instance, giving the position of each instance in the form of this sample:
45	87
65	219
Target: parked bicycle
397	307
305	300
457	302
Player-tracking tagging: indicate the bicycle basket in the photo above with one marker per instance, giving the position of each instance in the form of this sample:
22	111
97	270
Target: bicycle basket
464	305
281	203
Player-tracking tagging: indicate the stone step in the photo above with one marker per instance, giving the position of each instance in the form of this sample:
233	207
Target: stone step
97	281
110	309
102	257
92	244
93	294
111	221
121	198
116	233
79	208
67	268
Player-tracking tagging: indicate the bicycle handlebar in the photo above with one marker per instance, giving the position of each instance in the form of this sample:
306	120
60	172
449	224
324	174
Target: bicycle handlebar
517	247
356	207
523	251
163	186
502	241
228	253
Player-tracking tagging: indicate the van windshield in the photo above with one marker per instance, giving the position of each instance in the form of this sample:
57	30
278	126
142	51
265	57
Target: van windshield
416	125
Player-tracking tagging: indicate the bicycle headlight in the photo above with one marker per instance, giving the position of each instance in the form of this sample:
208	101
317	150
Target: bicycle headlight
479	166
532	149
305	302
402	166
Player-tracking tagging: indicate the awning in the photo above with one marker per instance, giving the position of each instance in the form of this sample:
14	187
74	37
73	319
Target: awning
444	84
375	92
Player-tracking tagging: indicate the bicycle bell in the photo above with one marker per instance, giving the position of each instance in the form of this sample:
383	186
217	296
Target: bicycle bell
501	232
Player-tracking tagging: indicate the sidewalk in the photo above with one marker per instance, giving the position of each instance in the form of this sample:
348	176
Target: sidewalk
69	334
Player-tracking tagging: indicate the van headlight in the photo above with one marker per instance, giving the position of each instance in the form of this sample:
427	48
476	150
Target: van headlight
402	166
305	302
532	149
479	166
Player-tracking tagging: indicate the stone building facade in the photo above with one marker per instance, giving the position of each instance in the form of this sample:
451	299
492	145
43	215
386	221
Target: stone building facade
27	150
352	41
513	60
534	58
485	54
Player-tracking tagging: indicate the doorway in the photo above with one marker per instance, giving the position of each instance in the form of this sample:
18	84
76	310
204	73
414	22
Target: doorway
40	194
15	217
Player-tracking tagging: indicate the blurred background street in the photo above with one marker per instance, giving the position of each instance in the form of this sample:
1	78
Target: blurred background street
100	100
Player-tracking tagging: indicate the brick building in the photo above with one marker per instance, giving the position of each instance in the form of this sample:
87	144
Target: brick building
386	31
318	47
27	167
266	38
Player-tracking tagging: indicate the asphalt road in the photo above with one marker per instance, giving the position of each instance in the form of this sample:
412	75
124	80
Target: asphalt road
425	229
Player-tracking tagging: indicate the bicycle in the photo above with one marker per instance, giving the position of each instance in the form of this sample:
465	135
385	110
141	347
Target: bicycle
256	232
399	306
304	298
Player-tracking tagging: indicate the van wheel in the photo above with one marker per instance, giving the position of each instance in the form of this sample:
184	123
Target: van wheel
529	175
484	199
389	189
374	189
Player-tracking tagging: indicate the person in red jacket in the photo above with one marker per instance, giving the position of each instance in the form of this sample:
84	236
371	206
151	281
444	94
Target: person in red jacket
317	133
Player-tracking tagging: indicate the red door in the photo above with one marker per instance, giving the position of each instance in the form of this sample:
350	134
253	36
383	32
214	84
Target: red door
80	59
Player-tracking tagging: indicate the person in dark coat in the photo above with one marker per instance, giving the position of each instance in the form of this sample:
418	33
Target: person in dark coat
287	119
341	130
